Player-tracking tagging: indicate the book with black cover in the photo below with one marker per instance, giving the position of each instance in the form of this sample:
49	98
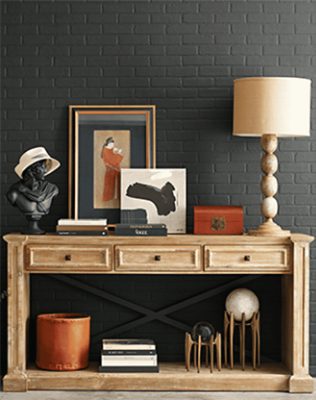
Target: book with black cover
136	216
141	226
82	233
80	228
141	230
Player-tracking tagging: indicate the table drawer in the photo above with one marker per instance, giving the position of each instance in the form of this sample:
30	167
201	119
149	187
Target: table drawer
240	259
158	258
70	258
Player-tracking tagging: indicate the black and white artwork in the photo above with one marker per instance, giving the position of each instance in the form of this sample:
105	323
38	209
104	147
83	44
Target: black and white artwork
160	192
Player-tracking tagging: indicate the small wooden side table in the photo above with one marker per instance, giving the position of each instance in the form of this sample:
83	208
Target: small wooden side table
181	255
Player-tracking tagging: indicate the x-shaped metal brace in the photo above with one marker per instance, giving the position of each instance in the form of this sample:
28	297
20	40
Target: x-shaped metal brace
149	315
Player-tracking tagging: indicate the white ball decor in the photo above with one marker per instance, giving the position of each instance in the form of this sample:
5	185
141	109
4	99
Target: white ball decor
241	301
269	207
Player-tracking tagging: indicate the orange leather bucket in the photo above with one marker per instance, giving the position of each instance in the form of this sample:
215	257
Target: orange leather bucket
63	341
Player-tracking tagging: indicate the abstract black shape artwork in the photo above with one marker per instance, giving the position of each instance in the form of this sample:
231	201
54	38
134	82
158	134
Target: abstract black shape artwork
160	193
164	198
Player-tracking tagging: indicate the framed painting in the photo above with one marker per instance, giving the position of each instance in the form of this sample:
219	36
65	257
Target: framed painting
102	141
159	193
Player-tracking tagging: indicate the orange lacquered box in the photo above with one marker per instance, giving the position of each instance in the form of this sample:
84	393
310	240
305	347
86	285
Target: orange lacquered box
218	220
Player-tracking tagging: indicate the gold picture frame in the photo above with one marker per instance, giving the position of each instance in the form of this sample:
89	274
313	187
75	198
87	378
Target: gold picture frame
133	127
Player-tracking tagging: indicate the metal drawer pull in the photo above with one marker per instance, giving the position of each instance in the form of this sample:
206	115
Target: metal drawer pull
68	257
247	258
157	258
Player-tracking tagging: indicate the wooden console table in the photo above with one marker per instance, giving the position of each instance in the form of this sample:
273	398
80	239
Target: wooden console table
176	254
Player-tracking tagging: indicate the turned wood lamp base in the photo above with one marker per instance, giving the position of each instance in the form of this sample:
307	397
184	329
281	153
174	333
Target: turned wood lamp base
269	188
269	228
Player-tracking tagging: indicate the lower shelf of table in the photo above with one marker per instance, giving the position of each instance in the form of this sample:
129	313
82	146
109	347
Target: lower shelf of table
172	376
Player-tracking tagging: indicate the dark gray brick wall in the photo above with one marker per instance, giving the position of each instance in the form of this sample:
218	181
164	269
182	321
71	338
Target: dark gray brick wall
183	57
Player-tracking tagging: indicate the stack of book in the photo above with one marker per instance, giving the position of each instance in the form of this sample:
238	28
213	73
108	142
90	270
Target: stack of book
141	230
95	227
128	355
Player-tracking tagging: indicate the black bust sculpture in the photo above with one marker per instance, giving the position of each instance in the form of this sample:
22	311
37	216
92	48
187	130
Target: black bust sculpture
33	195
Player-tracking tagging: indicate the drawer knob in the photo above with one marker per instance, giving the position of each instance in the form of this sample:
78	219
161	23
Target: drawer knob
157	258
68	257
247	258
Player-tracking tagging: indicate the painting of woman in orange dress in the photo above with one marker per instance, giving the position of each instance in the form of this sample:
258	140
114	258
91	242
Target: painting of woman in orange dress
112	152
112	158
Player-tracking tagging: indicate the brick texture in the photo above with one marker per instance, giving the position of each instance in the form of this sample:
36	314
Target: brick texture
183	57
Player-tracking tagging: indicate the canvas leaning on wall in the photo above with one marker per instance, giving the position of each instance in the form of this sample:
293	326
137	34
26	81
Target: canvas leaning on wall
160	192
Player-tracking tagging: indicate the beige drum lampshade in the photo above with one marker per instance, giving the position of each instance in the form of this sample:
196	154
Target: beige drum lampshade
279	106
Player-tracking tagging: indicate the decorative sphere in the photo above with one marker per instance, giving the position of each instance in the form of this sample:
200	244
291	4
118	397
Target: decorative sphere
242	301
269	163
269	185
269	207
269	143
203	329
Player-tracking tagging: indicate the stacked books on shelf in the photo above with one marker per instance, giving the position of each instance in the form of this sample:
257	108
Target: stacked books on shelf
141	230
82	227
129	355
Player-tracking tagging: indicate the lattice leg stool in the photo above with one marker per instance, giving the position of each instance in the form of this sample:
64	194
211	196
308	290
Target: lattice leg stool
197	350
229	329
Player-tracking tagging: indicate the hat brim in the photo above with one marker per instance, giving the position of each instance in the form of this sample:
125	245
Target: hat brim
52	164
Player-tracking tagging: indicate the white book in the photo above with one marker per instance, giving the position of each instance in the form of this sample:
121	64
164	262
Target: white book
117	361
82	222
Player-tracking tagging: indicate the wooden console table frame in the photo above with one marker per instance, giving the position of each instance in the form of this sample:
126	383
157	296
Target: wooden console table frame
175	254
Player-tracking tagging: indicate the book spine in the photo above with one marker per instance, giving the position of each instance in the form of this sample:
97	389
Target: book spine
140	232
130	360
141	226
128	352
82	233
81	222
127	363
129	369
129	342
128	347
99	228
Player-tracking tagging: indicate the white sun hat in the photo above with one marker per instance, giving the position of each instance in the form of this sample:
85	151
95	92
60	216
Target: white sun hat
34	155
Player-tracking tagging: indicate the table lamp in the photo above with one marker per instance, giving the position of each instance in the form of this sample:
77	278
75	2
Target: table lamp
271	107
